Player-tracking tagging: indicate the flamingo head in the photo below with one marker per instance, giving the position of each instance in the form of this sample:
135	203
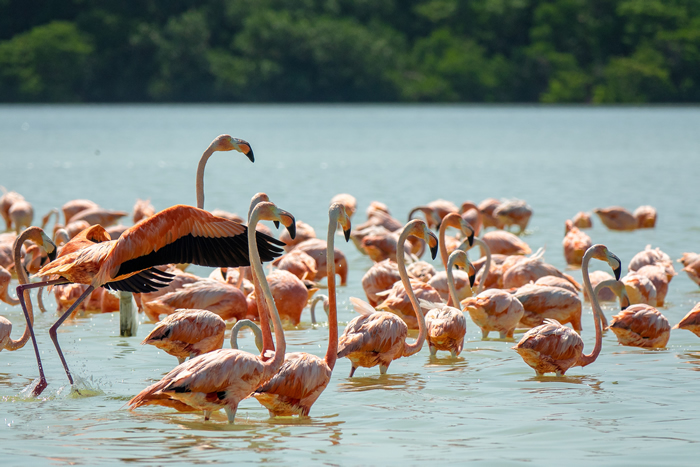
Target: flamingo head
229	143
602	253
419	228
459	258
340	211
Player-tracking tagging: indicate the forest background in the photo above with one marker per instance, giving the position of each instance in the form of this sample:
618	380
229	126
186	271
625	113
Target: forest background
575	51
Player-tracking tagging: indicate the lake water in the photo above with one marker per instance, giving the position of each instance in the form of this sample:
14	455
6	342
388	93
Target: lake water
631	406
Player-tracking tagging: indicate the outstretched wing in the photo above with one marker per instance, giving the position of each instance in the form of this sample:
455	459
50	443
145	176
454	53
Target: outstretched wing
185	234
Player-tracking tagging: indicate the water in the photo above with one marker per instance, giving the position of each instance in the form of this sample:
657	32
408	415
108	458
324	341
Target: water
631	406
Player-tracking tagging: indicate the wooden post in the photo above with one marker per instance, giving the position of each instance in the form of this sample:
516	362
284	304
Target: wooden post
128	324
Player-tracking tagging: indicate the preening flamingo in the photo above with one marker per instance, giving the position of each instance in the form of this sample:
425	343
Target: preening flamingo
378	338
36	235
175	235
222	378
446	325
246	323
616	218
639	288
188	333
554	281
298	262
312	307
289	293
553	348
691	321
494	310
542	302
641	326
303	377
379	278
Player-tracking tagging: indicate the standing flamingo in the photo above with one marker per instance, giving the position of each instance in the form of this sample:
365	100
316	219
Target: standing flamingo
440	281
575	244
616	218
553	348
188	333
446	325
303	377
223	378
691	321
641	325
175	235
378	338
36	235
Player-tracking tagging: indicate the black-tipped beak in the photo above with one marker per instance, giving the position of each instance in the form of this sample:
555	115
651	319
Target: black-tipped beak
52	255
437	226
347	235
250	155
471	239
292	229
277	224
618	271
472	279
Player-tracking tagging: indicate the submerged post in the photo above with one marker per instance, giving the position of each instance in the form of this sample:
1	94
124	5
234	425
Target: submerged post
128	324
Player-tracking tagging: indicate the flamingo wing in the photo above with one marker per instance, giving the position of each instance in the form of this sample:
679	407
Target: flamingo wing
301	375
184	234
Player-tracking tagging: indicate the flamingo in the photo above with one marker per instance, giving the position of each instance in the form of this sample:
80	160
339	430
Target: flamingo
505	243
378	338
656	273
102	216
691	321
470	213
303	377
575	244
316	248
440	281
73	207
21	214
177	234
220	143
246	323
652	256
297	262
617	218
435	211
36	235
582	220
541	302
446	325
188	333
421	270
399	300
494	310
222	378
553	348
6	201
646	217
604	294
554	281
143	209
290	295
380	277
639	288
641	325
326	305
513	212
304	232
382	245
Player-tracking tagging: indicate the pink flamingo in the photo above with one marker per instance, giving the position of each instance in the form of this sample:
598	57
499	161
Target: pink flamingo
21	214
691	321
542	302
505	243
691	265
656	273
582	220
6	201
348	201
494	310
553	348
188	333
289	293
641	326
382	245
399	300
646	217
304	232
220	143
378	338
379	278
639	288
487	207
513	212
531	269
440	281
71	208
446	325
554	281
177	234
298	263
316	248
228	375
303	377
617	218
575	244
435	211
143	209
470	213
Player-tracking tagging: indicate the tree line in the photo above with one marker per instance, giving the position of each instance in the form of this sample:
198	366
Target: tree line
576	51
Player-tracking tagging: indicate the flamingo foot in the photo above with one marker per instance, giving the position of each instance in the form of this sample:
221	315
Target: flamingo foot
352	371
231	413
382	369
433	350
207	415
39	388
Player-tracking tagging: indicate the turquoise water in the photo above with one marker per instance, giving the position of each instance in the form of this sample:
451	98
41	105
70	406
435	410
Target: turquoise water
631	406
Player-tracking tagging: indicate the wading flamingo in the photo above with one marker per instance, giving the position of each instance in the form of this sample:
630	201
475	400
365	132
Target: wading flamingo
6	201
505	243
188	333
646	217
303	377
378	338
494	310
513	212
175	235
641	326
542	302
379	278
21	214
462	280
304	232
554	281
553	348
223	378
446	325
639	288
617	218
102	216
487	207
575	244
582	220
73	207
36	235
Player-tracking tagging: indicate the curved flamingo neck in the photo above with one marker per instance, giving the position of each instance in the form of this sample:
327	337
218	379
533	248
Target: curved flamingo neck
32	233
271	366
590	358
332	352
487	265
200	175
410	349
451	283
246	323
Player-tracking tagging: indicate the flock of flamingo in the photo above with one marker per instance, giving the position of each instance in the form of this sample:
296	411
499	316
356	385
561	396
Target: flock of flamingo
504	290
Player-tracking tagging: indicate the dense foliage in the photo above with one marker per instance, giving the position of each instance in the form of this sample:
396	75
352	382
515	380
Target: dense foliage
350	51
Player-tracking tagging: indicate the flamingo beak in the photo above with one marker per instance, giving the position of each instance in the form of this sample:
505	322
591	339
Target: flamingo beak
433	249
289	222
624	300
471	239
346	232
472	279
49	246
244	147
277	224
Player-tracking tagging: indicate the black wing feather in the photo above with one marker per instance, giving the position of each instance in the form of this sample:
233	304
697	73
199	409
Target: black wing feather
146	281
215	252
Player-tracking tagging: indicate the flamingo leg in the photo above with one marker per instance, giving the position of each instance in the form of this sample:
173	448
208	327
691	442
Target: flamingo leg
352	371
20	295
54	328
231	413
